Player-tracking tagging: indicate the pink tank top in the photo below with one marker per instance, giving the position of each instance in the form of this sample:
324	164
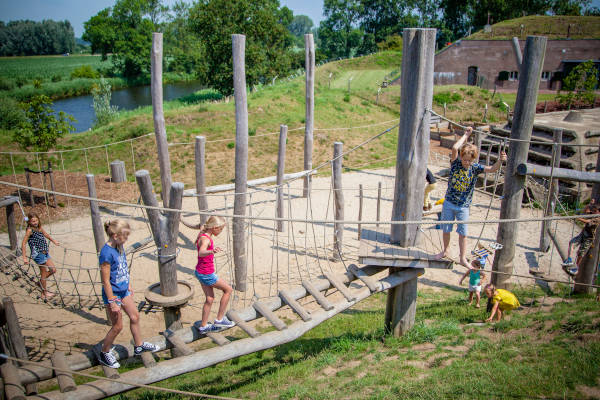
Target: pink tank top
206	264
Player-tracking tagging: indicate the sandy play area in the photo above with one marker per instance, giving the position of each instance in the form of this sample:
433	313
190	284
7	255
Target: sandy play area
276	260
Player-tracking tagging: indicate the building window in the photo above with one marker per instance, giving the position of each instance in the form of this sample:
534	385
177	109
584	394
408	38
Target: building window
546	75
514	75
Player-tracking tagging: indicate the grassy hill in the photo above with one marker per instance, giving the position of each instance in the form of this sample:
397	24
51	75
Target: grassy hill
553	27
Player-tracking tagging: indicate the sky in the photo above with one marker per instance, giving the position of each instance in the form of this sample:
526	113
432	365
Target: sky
79	11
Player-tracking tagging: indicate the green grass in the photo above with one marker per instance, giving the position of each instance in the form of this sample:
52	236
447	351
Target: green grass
45	67
350	356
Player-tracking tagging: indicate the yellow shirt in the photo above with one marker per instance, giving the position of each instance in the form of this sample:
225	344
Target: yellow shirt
507	300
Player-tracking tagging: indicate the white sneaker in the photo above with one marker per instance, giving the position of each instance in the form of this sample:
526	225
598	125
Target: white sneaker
224	323
108	359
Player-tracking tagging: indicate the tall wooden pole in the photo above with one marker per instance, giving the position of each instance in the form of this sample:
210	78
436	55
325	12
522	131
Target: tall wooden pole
514	185
12	225
97	228
517	51
165	229
309	53
588	265
413	134
280	172
159	118
241	160
552	192
338	200
200	177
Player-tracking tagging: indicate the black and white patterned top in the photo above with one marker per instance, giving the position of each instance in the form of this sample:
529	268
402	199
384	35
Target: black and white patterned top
37	242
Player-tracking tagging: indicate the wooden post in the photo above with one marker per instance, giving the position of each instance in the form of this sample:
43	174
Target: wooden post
338	200
309	62
588	265
159	119
241	160
552	192
199	158
360	207
280	172
517	51
28	179
478	139
444	109
52	187
165	229
485	111
117	171
401	307
13	390
17	341
11	226
95	214
413	134
514	185
378	202
66	383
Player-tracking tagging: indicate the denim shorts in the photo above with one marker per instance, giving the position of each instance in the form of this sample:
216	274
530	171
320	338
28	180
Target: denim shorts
41	258
451	212
121	294
207	279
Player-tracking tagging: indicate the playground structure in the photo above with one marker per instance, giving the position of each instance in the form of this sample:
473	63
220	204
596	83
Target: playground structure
402	235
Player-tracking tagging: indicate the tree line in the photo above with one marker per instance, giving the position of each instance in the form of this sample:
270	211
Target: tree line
27	38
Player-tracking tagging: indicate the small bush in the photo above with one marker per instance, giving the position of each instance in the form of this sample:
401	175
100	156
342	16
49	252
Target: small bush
201	96
37	83
230	145
446	97
85	71
347	98
11	115
252	132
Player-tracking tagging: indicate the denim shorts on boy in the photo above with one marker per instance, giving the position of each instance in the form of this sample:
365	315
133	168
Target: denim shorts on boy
475	288
121	294
207	279
41	258
450	212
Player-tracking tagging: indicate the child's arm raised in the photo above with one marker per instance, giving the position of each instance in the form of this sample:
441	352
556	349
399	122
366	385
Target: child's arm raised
49	237
23	249
496	166
456	147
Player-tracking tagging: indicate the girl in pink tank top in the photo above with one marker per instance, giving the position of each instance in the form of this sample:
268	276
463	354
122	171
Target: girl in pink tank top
205	272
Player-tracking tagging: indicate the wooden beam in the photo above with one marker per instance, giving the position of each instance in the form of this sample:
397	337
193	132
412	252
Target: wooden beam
181	348
269	315
241	322
338	200
543	171
66	383
517	52
335	282
371	283
13	390
321	299
552	192
11	226
218	338
309	66
199	158
283	129
294	305
97	228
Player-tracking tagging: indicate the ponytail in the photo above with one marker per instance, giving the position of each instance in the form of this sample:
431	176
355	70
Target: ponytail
212	222
115	226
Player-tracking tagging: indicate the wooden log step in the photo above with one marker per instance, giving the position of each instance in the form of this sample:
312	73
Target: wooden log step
266	312
13	390
370	282
323	302
294	305
66	383
336	283
148	359
218	338
180	347
234	316
111	373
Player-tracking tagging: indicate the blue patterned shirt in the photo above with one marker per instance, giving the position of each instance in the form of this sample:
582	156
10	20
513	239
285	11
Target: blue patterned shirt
461	183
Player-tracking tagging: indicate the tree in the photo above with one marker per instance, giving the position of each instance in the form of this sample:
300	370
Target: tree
339	33
579	85
41	129
36	38
101	32
267	39
102	109
300	25
184	51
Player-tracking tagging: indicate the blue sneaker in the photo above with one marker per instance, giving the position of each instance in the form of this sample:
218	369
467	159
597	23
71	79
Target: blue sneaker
224	323
205	329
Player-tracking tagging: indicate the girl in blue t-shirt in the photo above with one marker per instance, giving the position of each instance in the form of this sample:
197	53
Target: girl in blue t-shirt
464	169
476	276
117	292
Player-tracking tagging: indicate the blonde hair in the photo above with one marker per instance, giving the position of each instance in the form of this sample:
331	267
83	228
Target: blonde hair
212	222
115	226
469	149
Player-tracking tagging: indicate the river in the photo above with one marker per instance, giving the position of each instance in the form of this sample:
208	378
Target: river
81	107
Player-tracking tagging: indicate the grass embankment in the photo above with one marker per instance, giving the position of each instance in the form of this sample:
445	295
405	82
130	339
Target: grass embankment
23	77
541	351
553	27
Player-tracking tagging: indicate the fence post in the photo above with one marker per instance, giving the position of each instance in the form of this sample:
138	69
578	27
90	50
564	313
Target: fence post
309	57
514	185
158	115
552	192
338	200
360	208
97	228
199	158
11	225
241	160
280	172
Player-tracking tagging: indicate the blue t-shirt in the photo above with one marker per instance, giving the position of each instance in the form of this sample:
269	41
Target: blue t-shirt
461	183
119	273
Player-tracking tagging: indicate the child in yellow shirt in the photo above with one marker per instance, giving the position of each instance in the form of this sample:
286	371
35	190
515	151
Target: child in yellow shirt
501	300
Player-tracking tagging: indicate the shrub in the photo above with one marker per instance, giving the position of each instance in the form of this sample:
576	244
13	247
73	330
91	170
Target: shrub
85	71
201	96
102	108
11	115
252	132
347	98
37	83
230	145
579	85
392	42
446	97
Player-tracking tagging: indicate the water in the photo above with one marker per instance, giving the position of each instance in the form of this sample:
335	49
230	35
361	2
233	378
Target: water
81	107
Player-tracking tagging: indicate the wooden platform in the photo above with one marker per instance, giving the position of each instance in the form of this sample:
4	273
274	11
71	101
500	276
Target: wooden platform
375	249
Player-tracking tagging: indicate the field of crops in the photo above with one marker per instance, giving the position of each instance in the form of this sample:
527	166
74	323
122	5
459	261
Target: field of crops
45	68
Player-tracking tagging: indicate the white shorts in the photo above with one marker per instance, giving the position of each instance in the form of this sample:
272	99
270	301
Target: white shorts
476	288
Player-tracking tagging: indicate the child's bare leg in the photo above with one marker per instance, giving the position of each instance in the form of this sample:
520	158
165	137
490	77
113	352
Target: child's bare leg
444	253
499	314
210	297
116	318
50	270
470	298
462	246
224	286
478	299
134	319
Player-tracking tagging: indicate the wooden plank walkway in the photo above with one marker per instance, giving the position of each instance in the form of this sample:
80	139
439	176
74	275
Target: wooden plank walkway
375	249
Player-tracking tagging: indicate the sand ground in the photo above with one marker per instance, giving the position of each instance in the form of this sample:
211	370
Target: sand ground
276	260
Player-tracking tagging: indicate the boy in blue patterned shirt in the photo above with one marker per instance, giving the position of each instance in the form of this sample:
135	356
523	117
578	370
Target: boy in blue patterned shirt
464	169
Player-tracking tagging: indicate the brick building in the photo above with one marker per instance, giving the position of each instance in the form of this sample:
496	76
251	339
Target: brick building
489	62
